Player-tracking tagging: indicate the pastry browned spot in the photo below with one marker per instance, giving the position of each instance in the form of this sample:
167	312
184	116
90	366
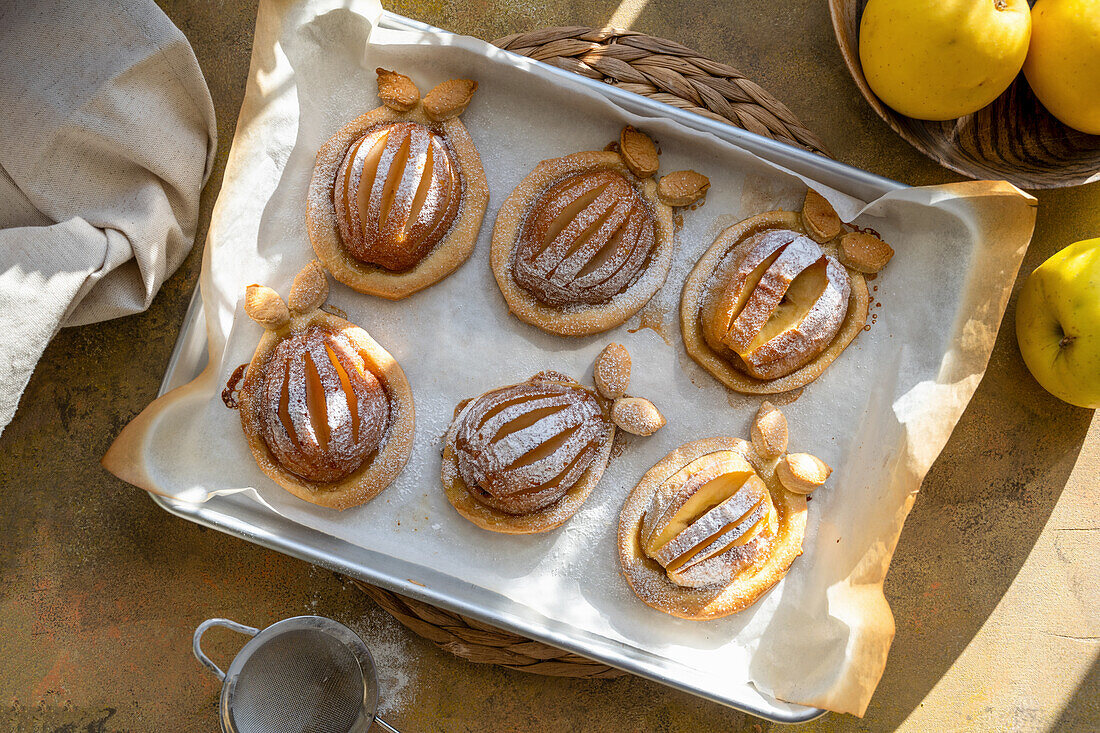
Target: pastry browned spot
768	307
583	242
712	527
327	412
398	195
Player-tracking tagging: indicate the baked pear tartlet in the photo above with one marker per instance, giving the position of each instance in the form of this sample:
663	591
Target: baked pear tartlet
522	459
718	522
778	297
585	240
398	194
327	412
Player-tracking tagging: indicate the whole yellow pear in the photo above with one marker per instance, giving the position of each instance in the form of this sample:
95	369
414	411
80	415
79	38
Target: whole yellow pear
942	59
1058	324
1063	64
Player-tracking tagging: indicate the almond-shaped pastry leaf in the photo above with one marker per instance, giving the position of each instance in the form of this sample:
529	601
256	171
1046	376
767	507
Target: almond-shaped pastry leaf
769	431
264	306
864	252
819	218
612	371
638	152
682	188
449	99
802	472
310	289
397	91
637	416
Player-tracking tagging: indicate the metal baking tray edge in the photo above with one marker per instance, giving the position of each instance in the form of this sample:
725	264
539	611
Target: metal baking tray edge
253	522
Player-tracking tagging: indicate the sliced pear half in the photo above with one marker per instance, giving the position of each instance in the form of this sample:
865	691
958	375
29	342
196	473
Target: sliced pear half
691	492
751	324
757	255
802	324
729	523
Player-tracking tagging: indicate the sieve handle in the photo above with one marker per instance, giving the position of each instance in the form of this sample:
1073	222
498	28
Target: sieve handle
196	645
385	726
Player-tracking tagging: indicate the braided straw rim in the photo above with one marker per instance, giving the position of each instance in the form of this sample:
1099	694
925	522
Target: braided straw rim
667	72
482	643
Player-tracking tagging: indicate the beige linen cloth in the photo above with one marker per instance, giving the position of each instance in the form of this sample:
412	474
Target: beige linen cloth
108	136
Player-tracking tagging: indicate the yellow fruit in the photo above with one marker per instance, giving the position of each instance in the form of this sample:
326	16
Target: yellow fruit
942	59
1058	324
1063	63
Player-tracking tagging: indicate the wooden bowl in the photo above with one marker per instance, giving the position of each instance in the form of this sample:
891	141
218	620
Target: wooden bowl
1014	138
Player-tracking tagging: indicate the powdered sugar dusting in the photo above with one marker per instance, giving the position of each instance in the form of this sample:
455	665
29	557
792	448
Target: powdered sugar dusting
395	657
794	257
598	248
309	289
440	227
715	582
739	339
637	416
573	316
716	567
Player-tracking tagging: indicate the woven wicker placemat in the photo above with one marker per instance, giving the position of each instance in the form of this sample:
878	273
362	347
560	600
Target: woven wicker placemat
667	72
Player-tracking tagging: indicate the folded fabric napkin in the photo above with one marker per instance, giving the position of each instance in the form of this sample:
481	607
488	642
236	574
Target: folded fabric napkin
108	137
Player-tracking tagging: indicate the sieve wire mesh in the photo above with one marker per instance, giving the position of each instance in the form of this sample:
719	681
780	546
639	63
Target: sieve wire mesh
301	681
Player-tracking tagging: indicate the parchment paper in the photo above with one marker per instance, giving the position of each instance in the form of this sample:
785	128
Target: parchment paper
880	414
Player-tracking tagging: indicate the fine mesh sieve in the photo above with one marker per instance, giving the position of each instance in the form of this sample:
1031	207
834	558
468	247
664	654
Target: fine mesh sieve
306	673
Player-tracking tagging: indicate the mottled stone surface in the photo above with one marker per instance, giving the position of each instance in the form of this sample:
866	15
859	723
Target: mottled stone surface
993	584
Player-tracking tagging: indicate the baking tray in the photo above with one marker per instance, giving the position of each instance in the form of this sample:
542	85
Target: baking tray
249	520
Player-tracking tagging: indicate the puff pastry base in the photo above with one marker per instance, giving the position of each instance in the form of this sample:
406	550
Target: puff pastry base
648	579
444	259
578	320
379	469
695	291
